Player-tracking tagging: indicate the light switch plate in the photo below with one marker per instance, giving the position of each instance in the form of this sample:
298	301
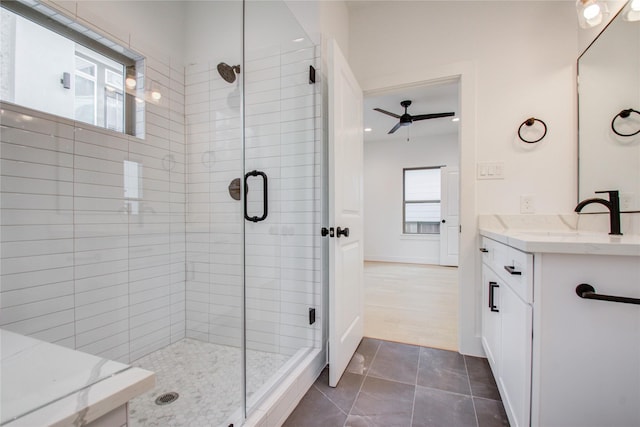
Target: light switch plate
490	170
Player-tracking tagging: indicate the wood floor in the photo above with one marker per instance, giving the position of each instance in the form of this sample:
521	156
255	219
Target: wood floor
412	304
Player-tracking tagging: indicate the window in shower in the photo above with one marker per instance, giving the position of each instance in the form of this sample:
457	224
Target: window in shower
71	72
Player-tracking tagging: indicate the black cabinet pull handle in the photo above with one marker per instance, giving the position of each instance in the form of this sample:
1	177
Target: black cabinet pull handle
512	270
265	196
492	305
485	250
444	220
342	232
587	291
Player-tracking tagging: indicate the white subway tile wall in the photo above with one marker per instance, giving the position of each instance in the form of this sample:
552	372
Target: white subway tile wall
119	246
93	228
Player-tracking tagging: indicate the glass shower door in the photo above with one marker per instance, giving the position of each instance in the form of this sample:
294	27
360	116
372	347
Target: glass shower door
282	173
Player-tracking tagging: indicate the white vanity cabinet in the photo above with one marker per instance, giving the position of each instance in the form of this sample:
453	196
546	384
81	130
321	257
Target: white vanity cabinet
507	325
561	360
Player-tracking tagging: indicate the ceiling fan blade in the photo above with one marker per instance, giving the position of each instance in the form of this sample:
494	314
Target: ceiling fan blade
432	116
387	113
396	127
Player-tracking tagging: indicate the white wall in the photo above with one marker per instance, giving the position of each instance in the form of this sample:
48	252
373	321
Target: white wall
322	20
516	60
524	55
383	164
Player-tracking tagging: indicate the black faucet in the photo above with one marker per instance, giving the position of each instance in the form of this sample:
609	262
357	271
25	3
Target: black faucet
613	204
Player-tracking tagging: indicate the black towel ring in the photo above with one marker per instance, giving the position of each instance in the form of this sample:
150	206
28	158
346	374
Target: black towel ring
529	122
623	115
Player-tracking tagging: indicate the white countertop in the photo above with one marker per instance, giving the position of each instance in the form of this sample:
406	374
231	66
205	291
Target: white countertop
46	384
566	242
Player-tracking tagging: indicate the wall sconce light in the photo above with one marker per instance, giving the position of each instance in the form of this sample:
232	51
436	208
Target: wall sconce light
632	11
591	12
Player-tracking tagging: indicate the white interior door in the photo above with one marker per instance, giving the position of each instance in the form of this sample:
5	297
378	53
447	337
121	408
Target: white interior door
346	289
450	207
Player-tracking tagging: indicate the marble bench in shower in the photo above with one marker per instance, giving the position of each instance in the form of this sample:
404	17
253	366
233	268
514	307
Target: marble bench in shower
44	384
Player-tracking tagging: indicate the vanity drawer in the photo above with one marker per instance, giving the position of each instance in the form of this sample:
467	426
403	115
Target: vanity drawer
517	270
512	265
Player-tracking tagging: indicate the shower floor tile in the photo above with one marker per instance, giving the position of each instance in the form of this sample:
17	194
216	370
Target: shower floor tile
208	379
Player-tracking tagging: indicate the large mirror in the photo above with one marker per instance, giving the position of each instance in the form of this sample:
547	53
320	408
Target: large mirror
609	84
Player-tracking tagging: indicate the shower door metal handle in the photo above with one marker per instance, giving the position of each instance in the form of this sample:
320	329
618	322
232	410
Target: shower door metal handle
265	196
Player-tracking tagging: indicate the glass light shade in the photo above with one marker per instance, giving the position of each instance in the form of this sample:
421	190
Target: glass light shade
590	12
632	11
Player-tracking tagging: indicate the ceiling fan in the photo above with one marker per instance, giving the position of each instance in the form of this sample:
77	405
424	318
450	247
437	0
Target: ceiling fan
406	119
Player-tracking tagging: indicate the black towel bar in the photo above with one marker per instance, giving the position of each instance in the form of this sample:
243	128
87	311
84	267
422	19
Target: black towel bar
587	291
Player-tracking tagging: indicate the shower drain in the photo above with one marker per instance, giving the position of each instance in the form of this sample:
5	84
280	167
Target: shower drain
166	398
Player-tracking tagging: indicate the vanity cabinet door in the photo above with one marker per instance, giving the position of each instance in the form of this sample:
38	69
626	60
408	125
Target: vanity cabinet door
507	326
589	371
515	359
491	341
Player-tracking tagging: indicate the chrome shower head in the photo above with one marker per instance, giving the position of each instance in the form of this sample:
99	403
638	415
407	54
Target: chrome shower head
228	72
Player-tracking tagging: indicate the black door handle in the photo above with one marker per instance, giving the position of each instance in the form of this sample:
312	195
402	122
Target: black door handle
327	232
342	232
444	220
265	197
484	250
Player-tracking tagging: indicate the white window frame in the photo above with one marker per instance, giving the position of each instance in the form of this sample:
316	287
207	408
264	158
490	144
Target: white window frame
423	227
93	78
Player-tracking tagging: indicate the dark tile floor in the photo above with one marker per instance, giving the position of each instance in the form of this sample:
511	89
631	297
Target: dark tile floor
397	385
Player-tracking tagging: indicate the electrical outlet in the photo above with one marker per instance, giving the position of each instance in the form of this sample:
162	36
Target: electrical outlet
526	204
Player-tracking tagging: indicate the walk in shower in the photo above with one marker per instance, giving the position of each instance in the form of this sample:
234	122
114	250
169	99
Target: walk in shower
188	249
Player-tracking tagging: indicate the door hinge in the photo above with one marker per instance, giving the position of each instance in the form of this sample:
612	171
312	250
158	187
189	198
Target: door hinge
312	315
460	229
312	75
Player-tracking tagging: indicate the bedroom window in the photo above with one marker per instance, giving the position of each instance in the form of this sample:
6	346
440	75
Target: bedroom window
421	200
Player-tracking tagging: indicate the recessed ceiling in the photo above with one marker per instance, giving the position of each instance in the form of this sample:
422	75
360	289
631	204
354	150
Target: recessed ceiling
427	99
